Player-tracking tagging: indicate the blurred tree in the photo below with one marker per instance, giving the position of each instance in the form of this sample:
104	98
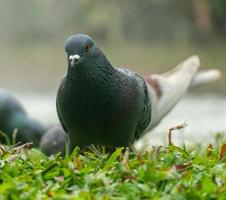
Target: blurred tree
166	21
156	20
202	26
202	17
218	16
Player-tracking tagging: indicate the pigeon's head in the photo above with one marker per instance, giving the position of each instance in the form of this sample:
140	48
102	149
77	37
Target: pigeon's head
80	49
54	141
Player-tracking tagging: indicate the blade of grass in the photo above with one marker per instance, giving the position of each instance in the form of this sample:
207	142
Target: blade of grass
112	158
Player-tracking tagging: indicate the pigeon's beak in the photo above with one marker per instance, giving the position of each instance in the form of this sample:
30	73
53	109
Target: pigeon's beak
74	59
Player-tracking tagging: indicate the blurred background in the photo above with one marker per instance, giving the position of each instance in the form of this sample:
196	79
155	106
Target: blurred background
147	36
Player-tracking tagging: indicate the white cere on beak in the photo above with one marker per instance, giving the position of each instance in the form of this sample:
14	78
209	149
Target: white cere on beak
74	59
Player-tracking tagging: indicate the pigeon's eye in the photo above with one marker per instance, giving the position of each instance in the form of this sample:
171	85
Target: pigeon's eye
87	47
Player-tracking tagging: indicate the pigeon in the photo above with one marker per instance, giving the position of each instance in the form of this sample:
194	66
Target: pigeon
99	104
13	116
54	141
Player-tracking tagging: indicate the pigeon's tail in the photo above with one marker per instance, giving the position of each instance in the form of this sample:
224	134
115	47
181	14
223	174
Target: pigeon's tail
205	76
166	89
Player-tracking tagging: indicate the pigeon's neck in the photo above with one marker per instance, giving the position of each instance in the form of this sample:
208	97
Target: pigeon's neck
91	73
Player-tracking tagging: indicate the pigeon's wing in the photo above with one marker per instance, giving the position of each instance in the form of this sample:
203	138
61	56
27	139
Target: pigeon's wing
166	89
9	104
63	126
8	107
145	115
57	106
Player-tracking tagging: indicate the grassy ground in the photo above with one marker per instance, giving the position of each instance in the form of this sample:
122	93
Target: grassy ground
168	172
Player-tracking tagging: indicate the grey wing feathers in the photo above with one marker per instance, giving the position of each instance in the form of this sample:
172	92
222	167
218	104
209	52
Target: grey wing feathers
145	117
57	106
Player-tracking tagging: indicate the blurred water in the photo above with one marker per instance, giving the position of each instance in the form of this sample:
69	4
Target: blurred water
205	115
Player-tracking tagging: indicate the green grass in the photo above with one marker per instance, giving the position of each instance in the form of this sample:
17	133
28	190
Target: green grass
168	172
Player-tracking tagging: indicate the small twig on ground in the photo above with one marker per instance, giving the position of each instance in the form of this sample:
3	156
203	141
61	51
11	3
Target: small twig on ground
178	127
2	150
15	145
23	146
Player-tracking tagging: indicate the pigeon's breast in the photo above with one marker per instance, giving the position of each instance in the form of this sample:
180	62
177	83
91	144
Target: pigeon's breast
104	112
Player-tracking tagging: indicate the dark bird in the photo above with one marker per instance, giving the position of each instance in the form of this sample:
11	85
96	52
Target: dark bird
13	116
103	105
54	141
